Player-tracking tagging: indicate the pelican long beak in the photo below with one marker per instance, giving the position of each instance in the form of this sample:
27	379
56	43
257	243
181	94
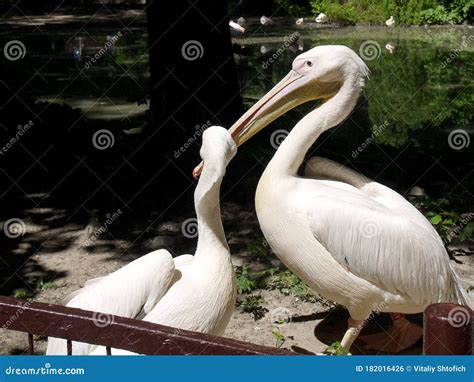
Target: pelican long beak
293	90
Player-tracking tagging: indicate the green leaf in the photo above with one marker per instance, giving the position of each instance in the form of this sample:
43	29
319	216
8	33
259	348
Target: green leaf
436	219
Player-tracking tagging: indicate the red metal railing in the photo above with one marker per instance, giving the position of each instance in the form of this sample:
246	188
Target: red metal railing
36	318
447	330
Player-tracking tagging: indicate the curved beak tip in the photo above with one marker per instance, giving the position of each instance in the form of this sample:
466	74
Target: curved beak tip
197	170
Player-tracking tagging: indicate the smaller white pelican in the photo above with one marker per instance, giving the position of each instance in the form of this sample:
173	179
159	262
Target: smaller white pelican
264	20
241	21
390	22
189	292
236	28
299	21
322	18
390	47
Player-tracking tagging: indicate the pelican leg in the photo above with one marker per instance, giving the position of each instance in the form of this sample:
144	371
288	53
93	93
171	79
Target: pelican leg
353	330
400	336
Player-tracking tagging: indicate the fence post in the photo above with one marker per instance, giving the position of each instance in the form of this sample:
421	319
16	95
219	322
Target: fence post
447	329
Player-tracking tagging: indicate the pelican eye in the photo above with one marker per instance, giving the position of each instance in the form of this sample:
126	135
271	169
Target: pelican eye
309	63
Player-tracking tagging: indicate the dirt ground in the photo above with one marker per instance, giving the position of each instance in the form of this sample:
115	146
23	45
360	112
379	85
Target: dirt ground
309	327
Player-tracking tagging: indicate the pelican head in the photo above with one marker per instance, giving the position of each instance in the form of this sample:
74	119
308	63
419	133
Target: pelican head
218	148
316	74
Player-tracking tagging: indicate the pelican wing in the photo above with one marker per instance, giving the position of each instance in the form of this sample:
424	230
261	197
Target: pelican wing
126	292
377	235
388	250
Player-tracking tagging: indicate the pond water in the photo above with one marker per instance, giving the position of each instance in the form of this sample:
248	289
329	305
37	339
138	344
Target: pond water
416	110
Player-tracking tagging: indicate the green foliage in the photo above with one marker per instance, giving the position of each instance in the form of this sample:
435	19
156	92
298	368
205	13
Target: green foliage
336	349
404	11
44	285
288	283
258	249
245	284
253	305
279	338
20	294
446	218
294	8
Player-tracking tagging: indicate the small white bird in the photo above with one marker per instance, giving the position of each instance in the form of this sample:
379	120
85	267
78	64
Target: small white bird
322	18
390	47
236	29
390	22
264	20
190	292
241	21
299	21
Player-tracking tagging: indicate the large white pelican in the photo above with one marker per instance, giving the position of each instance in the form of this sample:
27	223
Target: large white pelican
190	292
350	239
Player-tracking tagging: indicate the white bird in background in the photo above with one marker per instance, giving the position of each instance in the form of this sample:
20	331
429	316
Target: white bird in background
236	29
241	21
390	22
299	21
352	240
390	47
189	292
264	20
322	18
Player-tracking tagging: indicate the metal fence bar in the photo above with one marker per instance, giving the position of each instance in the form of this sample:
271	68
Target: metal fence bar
447	330
122	333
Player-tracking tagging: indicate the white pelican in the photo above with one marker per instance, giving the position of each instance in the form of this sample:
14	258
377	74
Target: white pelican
299	21
264	20
352	240
322	18
390	22
236	29
192	292
390	47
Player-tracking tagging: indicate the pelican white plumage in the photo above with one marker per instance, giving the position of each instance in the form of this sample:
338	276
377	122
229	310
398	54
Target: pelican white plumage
192	292
299	21
235	28
264	20
390	22
350	239
390	47
322	18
